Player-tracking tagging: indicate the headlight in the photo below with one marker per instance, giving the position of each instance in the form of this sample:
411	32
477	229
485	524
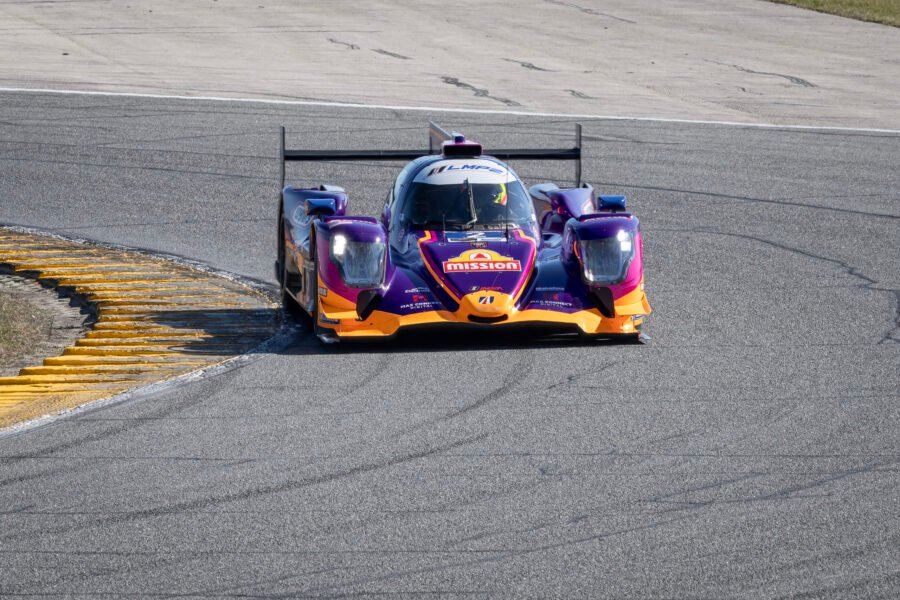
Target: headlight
361	263
606	261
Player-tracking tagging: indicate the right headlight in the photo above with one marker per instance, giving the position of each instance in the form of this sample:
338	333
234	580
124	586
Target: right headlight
361	263
606	261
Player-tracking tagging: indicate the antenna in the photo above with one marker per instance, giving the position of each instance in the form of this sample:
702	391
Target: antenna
506	204
281	162
578	148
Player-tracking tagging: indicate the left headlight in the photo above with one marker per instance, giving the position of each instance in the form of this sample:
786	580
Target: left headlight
361	263
606	261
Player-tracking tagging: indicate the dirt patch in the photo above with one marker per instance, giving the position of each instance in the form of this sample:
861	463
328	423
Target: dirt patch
35	323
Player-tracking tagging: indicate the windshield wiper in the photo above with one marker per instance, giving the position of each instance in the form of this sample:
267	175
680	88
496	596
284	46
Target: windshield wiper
471	222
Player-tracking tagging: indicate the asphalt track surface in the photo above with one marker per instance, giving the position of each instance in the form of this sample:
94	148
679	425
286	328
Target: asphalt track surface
751	450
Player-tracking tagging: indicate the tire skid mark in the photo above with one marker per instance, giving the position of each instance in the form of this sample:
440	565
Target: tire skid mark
795	80
580	95
890	336
497	554
781	202
391	54
791	78
510	382
528	65
479	92
117	428
155	320
347	45
590	11
288	485
781	493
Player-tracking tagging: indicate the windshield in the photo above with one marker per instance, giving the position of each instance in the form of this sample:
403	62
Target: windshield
448	206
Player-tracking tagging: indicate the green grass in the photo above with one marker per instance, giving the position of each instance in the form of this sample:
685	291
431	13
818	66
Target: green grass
21	325
886	12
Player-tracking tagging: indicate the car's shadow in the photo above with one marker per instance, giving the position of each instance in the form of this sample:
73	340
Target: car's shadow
231	332
448	338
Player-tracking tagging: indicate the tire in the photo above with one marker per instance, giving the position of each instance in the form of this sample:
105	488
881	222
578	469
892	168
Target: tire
287	301
620	338
634	338
325	335
314	293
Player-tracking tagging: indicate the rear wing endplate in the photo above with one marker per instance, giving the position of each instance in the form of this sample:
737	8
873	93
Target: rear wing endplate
437	135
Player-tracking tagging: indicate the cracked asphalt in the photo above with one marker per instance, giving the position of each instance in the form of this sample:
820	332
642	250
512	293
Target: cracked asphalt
751	450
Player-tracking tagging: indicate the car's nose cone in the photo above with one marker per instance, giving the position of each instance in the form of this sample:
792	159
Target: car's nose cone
485	277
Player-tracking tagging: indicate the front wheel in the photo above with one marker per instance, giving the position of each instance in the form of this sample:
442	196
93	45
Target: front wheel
326	335
620	338
287	300
633	338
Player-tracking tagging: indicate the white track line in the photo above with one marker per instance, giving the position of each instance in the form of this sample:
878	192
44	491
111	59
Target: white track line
474	111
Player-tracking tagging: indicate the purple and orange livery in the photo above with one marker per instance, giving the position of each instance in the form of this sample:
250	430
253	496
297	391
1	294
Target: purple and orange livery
461	242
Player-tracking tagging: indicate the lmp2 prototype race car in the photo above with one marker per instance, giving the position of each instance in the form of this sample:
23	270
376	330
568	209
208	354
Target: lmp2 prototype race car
461	242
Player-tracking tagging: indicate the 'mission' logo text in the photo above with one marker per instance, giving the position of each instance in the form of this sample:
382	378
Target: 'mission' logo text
478	261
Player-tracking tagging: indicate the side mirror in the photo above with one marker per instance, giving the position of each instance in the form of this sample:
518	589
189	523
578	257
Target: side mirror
386	211
321	207
572	203
611	203
541	191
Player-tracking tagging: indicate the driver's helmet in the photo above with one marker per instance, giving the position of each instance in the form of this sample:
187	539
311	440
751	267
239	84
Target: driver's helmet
492	201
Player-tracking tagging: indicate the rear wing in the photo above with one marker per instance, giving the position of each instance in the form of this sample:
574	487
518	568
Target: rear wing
437	135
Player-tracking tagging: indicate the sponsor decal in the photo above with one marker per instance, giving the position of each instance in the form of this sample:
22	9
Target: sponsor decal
323	291
475	237
554	300
451	168
552	304
423	305
478	261
482	288
420	299
479	244
485	299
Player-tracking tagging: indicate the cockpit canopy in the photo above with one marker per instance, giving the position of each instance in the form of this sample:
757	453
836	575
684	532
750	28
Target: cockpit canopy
469	193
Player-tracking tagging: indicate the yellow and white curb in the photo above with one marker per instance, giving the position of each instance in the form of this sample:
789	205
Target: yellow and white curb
156	320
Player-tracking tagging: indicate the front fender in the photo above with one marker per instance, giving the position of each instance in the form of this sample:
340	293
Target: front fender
355	229
605	226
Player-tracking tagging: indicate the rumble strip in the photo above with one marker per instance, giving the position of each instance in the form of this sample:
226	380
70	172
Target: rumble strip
156	319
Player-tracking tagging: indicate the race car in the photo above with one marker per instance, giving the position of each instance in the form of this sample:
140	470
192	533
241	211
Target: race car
460	242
